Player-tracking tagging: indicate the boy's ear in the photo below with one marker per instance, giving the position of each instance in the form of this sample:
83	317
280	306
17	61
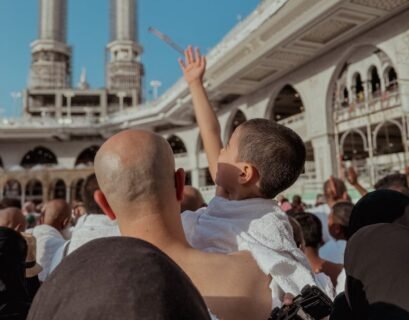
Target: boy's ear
101	200
179	183
248	173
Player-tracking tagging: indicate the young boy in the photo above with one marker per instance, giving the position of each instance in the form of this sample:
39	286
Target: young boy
261	159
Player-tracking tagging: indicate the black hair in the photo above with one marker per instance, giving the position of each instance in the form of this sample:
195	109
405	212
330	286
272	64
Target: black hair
87	192
8	202
311	228
277	152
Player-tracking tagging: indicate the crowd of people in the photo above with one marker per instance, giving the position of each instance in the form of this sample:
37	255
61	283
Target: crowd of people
144	246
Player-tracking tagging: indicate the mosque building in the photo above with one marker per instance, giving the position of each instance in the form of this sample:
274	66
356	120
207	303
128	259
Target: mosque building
335	71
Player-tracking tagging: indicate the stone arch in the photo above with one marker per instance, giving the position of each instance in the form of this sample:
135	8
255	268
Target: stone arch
34	191
58	190
287	103
12	189
388	138
38	156
236	119
87	156
353	145
177	145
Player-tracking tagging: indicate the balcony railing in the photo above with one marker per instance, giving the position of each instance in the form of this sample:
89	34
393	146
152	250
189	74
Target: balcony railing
376	102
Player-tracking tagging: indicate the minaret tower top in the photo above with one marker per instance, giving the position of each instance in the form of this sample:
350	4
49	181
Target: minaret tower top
123	20
53	24
51	56
124	72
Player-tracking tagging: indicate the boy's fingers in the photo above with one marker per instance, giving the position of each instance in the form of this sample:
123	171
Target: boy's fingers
203	61
181	63
197	56
190	56
187	56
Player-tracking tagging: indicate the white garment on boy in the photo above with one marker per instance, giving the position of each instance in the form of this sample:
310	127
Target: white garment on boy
259	226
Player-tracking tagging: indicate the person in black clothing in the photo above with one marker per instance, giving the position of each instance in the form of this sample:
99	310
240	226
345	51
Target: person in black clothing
14	297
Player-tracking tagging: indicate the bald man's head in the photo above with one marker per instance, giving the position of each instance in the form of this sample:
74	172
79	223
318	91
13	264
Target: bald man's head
13	218
134	166
56	213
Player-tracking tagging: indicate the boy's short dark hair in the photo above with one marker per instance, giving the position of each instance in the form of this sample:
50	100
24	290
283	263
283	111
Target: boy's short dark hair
312	229
342	212
87	192
277	152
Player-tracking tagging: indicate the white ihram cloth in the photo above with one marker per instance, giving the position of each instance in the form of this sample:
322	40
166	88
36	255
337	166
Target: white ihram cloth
48	241
259	226
89	227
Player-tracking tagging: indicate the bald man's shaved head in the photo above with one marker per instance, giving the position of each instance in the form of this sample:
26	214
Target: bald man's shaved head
134	165
12	218
56	213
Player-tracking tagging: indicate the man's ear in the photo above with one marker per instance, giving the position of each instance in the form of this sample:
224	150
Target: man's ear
179	183
101	200
248	173
65	222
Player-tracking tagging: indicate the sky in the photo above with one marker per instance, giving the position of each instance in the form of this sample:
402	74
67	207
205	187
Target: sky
200	23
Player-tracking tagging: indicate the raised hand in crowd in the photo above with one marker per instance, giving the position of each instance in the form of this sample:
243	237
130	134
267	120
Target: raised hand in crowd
193	68
352	177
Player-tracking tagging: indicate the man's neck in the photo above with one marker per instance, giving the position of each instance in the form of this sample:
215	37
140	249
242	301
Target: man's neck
166	234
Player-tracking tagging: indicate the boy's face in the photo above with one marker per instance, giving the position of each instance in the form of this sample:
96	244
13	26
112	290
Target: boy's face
227	165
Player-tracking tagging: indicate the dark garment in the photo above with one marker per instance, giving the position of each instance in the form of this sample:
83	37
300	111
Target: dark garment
341	309
14	299
381	206
118	278
377	268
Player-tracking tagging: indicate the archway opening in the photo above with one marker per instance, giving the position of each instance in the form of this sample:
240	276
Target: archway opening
391	79
38	156
353	147
76	190
177	145
358	88
58	190
87	156
389	139
34	191
375	82
12	189
287	104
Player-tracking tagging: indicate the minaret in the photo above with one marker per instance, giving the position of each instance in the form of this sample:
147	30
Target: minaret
51	56
124	71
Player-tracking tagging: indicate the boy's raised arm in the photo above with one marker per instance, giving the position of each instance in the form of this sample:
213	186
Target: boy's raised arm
194	68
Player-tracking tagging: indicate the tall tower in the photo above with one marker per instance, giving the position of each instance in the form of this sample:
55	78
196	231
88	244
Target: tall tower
124	71
51	56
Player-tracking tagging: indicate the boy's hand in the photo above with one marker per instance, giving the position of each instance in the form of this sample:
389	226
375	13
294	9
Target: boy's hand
352	176
194	65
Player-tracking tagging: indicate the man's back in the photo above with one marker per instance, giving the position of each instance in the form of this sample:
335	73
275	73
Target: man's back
232	285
